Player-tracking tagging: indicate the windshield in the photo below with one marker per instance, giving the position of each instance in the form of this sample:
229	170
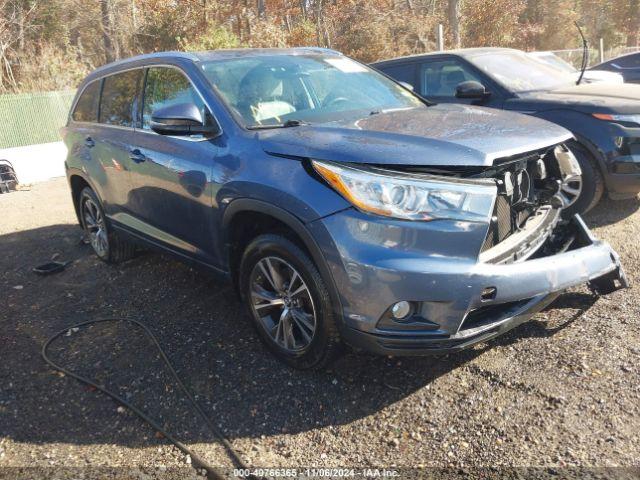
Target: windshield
271	90
518	72
555	61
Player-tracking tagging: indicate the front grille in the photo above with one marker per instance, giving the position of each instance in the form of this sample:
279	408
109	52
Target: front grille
492	313
520	196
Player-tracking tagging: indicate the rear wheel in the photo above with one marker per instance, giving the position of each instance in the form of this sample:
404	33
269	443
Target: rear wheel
106	244
288	302
582	193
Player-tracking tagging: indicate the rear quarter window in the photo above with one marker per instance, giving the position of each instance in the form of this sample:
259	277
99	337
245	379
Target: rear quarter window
87	106
119	104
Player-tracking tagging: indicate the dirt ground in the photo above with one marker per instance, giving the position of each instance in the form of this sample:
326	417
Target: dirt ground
562	390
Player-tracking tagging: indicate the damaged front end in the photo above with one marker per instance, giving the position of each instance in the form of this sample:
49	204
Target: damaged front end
527	219
465	286
531	193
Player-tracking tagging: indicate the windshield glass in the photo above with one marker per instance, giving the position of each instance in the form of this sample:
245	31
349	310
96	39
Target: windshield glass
271	90
518	72
555	61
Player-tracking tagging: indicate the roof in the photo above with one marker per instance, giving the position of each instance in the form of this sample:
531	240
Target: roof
462	52
254	52
211	55
631	54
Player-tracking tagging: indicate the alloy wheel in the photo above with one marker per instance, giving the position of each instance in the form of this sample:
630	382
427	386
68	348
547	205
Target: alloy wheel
95	227
282	302
571	188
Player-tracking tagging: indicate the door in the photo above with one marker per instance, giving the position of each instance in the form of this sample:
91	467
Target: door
171	195
80	137
438	79
113	139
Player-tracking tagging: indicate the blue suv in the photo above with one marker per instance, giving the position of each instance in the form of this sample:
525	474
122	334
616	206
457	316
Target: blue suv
344	208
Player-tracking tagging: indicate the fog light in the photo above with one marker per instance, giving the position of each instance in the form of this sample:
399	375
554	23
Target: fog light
401	310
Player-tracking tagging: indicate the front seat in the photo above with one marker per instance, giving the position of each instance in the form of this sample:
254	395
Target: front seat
451	81
260	93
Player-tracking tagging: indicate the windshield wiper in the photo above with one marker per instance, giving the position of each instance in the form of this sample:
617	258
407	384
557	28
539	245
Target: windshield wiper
287	124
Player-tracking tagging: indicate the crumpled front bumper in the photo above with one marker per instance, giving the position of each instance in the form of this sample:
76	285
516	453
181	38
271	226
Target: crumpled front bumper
457	301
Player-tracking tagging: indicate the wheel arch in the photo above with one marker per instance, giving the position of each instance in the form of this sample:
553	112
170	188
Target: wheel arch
77	182
250	208
584	131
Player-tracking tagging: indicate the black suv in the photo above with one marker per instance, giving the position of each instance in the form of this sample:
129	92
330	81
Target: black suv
604	118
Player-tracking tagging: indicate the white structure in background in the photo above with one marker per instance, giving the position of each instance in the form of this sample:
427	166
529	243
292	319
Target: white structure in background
37	163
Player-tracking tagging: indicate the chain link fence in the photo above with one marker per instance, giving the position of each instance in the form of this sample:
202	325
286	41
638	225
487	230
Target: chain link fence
33	118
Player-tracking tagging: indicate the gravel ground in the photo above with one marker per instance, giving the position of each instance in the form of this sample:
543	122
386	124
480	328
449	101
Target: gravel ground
560	391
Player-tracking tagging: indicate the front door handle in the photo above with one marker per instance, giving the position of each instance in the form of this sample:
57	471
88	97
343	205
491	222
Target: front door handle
89	142
137	156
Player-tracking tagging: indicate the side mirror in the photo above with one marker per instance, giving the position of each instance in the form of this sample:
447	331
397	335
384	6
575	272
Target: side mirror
181	119
406	85
471	89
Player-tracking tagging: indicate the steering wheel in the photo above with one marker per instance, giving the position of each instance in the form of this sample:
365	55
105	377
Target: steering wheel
335	101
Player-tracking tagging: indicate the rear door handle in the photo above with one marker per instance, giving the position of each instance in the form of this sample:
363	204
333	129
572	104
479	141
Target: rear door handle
137	156
89	142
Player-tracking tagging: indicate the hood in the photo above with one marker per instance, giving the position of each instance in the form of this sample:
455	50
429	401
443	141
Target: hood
440	135
587	98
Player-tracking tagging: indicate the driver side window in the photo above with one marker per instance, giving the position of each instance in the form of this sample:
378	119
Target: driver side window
165	87
440	78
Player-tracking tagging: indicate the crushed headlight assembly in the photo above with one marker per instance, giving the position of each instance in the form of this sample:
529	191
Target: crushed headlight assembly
634	118
410	196
567	162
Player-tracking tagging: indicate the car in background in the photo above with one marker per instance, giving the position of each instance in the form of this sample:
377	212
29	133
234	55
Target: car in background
342	206
626	65
604	118
589	76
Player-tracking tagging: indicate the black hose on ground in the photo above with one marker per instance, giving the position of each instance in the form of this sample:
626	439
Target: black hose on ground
212	472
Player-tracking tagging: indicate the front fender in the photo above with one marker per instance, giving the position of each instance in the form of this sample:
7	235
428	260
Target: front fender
593	134
287	183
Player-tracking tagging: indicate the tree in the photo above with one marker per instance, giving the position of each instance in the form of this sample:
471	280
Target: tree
64	33
110	53
453	14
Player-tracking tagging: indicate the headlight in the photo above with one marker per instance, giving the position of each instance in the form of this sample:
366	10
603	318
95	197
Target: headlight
567	162
635	118
411	197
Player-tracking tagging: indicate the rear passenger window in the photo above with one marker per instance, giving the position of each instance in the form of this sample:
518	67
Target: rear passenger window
119	98
87	106
166	87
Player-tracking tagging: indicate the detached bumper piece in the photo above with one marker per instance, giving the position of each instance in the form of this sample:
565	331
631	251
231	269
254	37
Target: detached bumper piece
570	257
8	178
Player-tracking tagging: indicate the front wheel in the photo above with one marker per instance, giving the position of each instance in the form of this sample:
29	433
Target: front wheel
288	302
582	192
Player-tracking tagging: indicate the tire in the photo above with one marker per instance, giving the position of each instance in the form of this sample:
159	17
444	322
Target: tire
592	182
106	243
306	348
